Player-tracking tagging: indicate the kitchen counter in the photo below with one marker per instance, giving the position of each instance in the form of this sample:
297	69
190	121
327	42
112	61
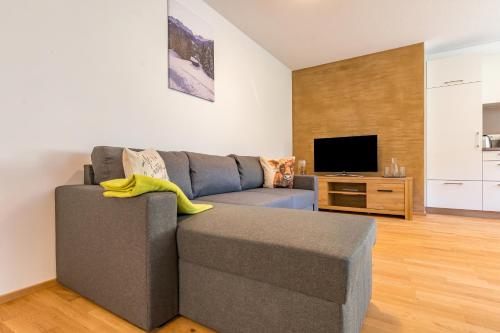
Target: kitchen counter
492	149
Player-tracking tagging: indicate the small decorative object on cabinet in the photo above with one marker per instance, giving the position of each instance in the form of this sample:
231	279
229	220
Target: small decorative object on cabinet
394	167
377	195
302	167
395	170
387	172
402	172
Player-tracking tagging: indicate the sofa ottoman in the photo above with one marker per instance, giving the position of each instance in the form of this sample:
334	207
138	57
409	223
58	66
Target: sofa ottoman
248	269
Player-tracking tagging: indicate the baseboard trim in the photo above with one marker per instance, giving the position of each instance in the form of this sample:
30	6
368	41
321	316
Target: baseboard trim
464	213
420	213
26	291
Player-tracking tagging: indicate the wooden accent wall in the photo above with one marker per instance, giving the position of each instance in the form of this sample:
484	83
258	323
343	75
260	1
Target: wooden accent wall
381	93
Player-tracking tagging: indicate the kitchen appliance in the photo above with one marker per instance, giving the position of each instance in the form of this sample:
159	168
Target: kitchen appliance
495	140
487	141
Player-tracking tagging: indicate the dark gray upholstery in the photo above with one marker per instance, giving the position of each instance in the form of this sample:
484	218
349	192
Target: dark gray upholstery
314	253
307	182
250	199
212	174
243	268
235	304
266	197
177	164
107	164
300	198
251	173
120	253
88	175
231	303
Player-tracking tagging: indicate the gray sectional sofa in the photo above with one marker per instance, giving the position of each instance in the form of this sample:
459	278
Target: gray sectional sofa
262	260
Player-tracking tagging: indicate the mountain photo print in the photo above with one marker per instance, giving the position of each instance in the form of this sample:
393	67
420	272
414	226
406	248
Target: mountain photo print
190	53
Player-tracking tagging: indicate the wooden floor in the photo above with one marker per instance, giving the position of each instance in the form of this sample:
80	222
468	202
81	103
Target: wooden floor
435	274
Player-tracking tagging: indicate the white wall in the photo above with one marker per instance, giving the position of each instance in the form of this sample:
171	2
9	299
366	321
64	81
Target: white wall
74	74
491	119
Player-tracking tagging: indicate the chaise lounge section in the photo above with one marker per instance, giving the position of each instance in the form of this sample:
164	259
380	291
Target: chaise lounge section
247	265
274	270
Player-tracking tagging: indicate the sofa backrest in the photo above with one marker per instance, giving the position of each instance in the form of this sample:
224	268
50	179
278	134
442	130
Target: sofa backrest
196	174
107	164
251	172
212	174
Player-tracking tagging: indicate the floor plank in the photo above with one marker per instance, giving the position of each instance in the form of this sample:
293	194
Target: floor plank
435	274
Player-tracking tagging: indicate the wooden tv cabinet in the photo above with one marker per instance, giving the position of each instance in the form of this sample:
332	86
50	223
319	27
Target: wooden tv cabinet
376	195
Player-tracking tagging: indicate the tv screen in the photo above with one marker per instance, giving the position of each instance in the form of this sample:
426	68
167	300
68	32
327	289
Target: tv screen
347	154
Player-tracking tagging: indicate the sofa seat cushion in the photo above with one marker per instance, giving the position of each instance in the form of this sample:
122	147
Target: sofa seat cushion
300	198
211	174
249	198
315	253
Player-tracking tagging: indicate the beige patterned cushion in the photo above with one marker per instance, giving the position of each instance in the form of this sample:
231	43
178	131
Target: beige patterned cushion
278	172
147	162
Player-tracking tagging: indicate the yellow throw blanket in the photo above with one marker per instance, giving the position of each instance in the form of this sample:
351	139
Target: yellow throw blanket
139	184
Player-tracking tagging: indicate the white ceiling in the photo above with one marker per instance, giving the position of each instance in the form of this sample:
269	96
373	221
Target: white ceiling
304	33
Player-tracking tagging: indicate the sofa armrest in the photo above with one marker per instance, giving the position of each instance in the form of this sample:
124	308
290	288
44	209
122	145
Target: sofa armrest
120	253
307	182
88	175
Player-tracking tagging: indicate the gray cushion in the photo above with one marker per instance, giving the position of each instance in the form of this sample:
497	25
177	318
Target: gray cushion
316	253
107	164
212	174
177	164
250	199
300	198
251	173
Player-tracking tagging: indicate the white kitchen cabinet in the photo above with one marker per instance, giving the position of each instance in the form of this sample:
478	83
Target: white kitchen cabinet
491	78
491	171
454	133
491	155
455	194
491	183
491	196
453	70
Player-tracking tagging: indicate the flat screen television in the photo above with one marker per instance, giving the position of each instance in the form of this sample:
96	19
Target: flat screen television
346	154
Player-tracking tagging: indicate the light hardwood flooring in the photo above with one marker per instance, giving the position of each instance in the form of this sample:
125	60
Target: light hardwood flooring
434	274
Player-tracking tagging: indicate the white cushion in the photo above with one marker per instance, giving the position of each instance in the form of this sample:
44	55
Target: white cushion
147	162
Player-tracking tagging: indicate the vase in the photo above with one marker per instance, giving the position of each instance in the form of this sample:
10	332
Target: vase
394	167
302	167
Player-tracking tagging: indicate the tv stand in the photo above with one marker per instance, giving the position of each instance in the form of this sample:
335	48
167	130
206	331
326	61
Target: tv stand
345	174
374	195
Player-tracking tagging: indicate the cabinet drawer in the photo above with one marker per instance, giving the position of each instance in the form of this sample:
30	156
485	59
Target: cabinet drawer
491	196
386	196
453	70
491	170
491	155
455	194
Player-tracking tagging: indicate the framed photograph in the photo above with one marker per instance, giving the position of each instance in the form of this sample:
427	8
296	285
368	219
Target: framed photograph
190	53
